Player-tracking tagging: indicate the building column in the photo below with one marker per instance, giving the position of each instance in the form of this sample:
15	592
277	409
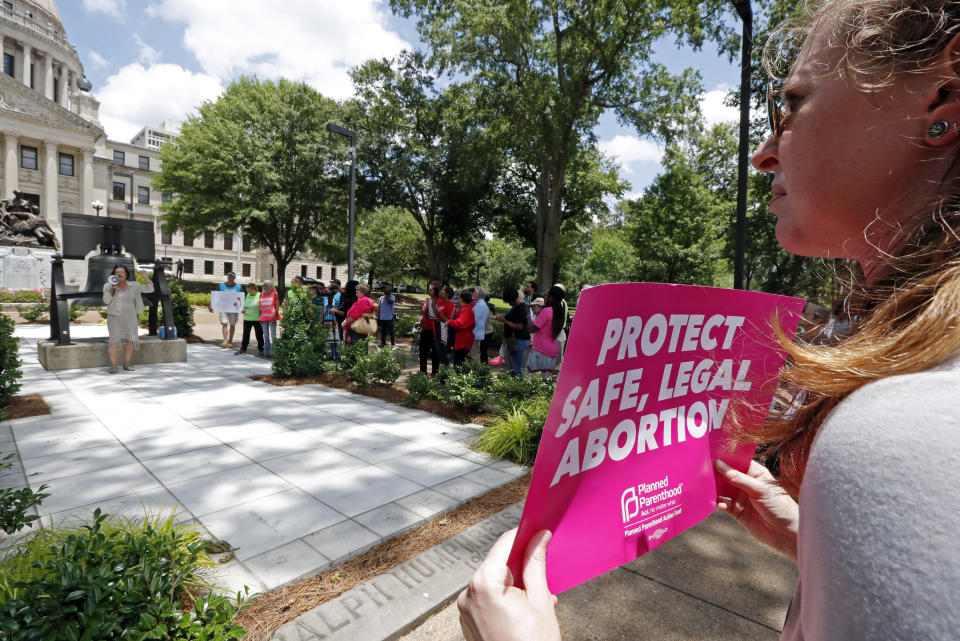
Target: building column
86	185
64	85
27	60
49	203
48	76
11	165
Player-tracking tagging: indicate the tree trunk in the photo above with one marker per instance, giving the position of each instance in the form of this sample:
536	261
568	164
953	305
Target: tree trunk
549	214
281	283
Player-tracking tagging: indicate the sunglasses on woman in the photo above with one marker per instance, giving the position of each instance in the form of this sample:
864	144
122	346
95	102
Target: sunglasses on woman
774	112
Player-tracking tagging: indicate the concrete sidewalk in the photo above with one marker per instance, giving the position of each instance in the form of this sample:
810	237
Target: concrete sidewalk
295	478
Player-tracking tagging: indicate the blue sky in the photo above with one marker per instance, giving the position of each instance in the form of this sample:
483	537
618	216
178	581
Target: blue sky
156	60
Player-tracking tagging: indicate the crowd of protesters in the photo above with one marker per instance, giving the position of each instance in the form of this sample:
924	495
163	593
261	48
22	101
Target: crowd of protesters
451	322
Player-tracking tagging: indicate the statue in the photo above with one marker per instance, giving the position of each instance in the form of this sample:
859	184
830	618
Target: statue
22	225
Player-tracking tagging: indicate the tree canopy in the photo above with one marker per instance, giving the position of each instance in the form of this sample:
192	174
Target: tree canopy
259	159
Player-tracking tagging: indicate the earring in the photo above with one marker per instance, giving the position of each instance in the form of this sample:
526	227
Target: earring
938	128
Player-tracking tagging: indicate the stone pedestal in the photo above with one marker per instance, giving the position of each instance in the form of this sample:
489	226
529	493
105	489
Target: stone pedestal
25	267
92	352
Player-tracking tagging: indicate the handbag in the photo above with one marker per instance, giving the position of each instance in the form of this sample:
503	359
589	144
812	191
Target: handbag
366	325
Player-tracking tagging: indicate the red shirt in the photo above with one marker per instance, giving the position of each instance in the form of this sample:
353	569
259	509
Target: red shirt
443	307
463	323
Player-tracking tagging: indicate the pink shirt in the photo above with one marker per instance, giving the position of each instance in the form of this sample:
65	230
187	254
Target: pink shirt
543	340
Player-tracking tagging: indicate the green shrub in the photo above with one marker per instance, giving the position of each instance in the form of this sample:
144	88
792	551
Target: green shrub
516	433
512	390
112	580
380	367
15	503
483	371
9	361
203	300
464	388
103	312
33	313
351	354
403	326
75	313
143	317
21	296
301	347
182	311
420	386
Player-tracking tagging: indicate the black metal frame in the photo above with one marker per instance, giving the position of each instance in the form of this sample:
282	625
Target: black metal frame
59	303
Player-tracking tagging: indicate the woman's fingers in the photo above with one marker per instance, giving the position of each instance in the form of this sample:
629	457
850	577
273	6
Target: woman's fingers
535	565
754	486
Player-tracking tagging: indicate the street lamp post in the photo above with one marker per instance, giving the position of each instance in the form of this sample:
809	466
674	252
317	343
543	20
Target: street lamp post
746	16
352	137
97	206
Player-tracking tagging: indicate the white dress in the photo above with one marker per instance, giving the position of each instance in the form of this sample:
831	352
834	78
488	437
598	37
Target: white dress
122	309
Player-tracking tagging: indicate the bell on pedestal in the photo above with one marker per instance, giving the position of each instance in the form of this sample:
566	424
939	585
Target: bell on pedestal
98	269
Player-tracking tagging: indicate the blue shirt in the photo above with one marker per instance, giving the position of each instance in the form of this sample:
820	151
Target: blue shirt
328	316
386	307
226	288
480	313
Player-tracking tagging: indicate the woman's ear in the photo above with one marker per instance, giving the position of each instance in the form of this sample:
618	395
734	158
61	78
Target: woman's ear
942	120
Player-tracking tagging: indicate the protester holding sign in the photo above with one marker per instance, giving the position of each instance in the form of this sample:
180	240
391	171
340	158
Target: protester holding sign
228	320
864	164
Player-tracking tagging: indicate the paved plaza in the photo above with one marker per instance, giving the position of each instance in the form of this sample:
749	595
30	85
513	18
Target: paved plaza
295	478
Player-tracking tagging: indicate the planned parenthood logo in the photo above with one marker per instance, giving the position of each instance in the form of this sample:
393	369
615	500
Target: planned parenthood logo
646	505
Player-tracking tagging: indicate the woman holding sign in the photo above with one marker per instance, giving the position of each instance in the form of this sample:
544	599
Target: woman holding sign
865	158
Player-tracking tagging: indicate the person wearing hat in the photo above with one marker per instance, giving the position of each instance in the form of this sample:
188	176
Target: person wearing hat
544	331
228	321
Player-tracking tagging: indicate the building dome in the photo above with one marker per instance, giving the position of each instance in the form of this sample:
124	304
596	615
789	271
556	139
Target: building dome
50	7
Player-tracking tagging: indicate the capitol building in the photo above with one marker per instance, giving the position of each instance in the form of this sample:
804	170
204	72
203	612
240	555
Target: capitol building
57	154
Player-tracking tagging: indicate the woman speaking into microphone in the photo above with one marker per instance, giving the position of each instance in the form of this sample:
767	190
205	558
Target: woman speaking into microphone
122	297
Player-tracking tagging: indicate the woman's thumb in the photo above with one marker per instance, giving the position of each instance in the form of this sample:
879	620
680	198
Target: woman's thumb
535	565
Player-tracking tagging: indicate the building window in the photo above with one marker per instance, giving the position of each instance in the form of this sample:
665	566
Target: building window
119	191
208	267
56	90
8	61
333	273
188	239
166	197
319	272
208	239
143	195
245	268
144	163
8	5
32	74
188	266
228	241
166	238
303	271
66	165
227	268
246	243
28	157
271	269
119	158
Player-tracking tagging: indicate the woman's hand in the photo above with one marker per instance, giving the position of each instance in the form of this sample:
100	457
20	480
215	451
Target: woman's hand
491	609
762	507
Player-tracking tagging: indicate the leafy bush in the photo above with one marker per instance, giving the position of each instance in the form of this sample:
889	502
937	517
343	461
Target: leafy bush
512	390
351	354
33	313
203	300
465	388
302	346
103	312
516	432
420	386
75	313
15	503
182	311
21	296
380	367
404	324
111	580
9	361
143	317
483	371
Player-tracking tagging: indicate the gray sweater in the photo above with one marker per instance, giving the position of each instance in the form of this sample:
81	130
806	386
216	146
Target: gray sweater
879	543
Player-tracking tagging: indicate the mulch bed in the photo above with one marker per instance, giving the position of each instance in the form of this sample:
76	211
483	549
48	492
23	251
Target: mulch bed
272	609
24	406
391	394
193	338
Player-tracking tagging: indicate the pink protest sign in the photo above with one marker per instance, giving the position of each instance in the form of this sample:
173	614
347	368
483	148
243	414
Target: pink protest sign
649	377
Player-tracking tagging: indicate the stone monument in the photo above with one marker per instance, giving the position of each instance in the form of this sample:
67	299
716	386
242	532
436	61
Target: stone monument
26	245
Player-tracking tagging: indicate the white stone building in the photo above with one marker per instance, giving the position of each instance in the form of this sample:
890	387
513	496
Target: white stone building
57	154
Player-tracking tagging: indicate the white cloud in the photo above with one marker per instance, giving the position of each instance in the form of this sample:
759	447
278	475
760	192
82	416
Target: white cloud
136	96
316	42
632	151
147	55
713	108
97	61
115	8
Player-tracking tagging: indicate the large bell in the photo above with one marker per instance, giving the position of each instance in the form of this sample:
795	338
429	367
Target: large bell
98	269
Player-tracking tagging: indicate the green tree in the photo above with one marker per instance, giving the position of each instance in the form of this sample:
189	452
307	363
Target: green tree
508	264
548	69
425	153
390	246
257	158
